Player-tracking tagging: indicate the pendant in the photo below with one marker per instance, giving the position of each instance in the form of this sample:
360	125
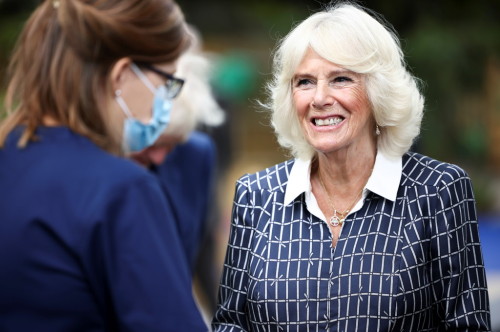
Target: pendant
335	220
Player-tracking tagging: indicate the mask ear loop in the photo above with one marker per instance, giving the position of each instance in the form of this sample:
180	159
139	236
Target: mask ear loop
122	103
143	77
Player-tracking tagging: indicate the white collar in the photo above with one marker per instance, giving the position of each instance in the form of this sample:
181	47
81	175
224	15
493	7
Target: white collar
383	181
386	176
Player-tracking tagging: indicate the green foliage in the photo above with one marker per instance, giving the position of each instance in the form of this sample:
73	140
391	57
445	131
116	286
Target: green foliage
10	27
451	59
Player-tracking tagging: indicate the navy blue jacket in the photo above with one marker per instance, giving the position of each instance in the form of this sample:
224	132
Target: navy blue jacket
87	242
187	178
413	264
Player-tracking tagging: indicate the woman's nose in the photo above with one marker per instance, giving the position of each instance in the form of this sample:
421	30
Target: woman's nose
323	97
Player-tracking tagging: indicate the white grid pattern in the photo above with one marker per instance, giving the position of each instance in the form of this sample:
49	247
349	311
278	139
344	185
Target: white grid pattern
410	265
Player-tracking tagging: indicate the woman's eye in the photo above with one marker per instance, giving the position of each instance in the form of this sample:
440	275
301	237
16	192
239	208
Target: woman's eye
342	79
303	82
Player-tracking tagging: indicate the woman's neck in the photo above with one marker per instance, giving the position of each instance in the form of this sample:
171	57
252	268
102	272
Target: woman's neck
343	172
49	121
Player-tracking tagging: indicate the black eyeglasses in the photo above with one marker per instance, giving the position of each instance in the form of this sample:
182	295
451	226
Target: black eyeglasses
172	83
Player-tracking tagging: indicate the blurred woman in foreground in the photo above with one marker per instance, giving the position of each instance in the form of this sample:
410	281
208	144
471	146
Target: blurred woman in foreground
87	239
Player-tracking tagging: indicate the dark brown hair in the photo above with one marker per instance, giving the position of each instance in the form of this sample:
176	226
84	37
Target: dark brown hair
61	64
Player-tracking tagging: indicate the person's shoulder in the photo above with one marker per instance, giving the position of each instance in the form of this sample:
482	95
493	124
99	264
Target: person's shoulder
273	178
85	162
198	146
197	151
71	163
116	171
122	169
107	183
200	140
419	169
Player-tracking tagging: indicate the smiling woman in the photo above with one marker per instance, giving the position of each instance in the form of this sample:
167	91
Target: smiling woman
356	233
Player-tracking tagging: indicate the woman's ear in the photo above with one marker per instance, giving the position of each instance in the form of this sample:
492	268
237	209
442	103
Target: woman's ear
119	72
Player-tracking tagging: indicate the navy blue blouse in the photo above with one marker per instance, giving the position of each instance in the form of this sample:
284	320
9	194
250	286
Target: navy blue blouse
414	264
87	242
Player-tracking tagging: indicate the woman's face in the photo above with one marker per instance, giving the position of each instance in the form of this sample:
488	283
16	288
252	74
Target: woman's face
332	106
138	96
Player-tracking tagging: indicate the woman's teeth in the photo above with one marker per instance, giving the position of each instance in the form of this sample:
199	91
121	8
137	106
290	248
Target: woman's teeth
328	122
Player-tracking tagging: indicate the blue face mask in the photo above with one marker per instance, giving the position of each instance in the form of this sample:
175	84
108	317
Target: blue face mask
137	135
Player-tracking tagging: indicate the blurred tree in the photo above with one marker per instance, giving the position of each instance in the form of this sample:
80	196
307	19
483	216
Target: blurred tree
13	13
15	6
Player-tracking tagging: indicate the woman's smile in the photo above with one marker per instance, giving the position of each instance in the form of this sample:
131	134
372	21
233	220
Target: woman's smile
327	122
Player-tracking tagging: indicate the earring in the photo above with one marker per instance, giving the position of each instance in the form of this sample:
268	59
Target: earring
377	130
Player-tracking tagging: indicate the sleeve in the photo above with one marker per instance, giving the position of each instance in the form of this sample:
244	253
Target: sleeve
208	154
231	308
145	276
205	271
457	268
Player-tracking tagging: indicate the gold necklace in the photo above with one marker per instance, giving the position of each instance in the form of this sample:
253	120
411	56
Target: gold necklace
338	217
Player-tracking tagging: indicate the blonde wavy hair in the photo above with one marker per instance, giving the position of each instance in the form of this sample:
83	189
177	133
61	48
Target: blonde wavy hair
347	35
196	104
